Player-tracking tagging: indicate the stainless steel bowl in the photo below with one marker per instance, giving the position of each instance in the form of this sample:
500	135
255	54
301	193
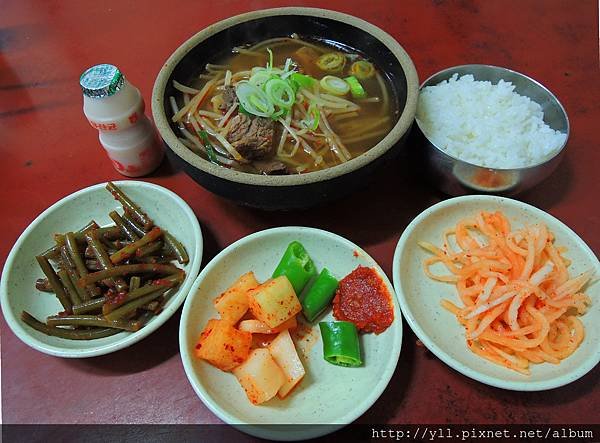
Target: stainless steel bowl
457	177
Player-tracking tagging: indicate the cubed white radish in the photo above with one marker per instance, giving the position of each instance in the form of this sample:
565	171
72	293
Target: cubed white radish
233	303
258	327
260	376
222	345
274	301
284	352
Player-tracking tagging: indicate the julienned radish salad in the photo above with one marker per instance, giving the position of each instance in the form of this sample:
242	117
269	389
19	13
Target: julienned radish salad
252	337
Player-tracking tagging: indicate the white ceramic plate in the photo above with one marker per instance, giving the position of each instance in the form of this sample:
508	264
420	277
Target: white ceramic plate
18	292
329	395
438	329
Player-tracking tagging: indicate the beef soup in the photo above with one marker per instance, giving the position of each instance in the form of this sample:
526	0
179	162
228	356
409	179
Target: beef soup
284	106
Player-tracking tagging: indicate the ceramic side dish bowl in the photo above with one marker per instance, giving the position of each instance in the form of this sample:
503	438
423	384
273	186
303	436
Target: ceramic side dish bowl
330	396
439	330
455	176
298	190
18	292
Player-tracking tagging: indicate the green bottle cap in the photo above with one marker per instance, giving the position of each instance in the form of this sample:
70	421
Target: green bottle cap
101	81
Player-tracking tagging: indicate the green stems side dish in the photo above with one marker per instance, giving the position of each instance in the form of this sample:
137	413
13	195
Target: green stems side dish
178	248
71	334
125	228
90	305
55	250
42	284
94	243
133	305
149	249
134	283
81	292
54	281
319	295
164	283
138	268
128	220
86	271
103	258
340	343
76	256
130	249
73	249
65	260
92	320
130	207
107	232
65	280
297	266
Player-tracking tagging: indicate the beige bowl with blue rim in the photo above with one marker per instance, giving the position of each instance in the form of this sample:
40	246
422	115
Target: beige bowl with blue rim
18	292
439	330
329	396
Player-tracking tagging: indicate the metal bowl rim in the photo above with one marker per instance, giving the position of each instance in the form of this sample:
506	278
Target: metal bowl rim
511	71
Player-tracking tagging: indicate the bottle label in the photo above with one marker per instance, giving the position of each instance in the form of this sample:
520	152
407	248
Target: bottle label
122	123
139	161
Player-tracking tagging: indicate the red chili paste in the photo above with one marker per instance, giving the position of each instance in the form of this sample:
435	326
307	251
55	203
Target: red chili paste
363	299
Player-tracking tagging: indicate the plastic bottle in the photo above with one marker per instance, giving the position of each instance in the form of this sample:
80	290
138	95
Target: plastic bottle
115	108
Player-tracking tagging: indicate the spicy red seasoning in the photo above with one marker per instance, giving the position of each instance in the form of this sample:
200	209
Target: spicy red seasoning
363	299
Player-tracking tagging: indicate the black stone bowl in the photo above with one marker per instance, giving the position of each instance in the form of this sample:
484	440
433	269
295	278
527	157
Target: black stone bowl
299	190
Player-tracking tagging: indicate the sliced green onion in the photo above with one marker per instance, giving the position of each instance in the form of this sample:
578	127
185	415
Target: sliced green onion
312	121
254	100
334	85
287	68
303	81
356	88
260	78
269	92
280	93
362	69
332	62
210	150
241	110
280	113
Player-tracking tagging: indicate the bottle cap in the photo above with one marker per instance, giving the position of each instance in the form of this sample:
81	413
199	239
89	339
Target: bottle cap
101	81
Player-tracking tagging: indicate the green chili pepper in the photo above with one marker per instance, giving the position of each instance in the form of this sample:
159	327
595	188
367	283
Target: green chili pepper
297	266
210	150
340	343
319	295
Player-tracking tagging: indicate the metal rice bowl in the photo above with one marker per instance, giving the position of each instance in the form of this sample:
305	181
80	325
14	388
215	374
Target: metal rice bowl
458	177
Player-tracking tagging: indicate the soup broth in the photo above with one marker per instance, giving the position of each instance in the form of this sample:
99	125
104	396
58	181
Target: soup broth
285	106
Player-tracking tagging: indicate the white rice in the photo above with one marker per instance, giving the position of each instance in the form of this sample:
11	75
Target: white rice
485	124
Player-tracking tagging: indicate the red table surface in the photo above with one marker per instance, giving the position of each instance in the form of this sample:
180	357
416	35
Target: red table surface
49	151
